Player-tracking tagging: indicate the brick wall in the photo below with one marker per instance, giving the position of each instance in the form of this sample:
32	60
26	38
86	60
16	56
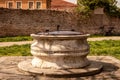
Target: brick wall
25	22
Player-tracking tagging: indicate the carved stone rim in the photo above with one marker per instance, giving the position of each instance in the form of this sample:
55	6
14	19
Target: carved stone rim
36	36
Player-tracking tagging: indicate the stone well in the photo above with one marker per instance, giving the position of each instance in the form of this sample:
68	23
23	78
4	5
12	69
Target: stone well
58	51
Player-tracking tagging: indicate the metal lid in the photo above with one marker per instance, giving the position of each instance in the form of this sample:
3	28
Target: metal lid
61	33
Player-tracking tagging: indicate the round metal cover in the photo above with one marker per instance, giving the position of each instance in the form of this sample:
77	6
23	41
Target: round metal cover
62	33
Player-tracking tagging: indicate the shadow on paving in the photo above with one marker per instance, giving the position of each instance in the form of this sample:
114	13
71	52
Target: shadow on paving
10	71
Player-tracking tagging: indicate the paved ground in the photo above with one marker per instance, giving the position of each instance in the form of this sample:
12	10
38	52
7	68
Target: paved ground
9	70
2	44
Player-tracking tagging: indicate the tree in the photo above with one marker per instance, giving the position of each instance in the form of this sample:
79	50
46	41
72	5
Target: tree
86	6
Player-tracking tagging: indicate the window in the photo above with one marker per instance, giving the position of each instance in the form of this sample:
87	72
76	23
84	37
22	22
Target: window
19	5
38	5
30	5
9	4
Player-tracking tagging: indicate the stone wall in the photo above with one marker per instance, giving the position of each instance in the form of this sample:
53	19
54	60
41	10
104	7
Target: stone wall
25	22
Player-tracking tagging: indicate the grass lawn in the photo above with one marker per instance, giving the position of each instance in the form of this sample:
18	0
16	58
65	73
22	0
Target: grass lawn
15	50
17	38
106	47
29	38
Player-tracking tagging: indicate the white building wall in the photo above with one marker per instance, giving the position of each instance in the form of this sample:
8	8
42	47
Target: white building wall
72	1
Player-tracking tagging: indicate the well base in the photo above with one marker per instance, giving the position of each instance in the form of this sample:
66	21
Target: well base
93	68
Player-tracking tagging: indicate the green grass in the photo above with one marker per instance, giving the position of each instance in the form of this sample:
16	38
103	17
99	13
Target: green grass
15	50
96	36
28	38
106	47
14	39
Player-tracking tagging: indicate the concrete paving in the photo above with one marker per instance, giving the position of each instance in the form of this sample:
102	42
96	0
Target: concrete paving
9	70
9	65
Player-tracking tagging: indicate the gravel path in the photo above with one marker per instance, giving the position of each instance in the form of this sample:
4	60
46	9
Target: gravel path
104	38
2	44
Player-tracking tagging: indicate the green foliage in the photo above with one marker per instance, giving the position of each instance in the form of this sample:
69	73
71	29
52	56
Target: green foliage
15	50
113	11
87	6
92	4
106	47
13	39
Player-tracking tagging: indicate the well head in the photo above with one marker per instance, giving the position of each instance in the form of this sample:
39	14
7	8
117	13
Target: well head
58	51
60	35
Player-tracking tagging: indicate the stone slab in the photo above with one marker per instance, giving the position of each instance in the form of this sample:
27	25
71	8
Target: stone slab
93	68
9	70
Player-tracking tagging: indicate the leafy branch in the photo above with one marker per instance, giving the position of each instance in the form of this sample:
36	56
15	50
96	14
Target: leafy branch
87	6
